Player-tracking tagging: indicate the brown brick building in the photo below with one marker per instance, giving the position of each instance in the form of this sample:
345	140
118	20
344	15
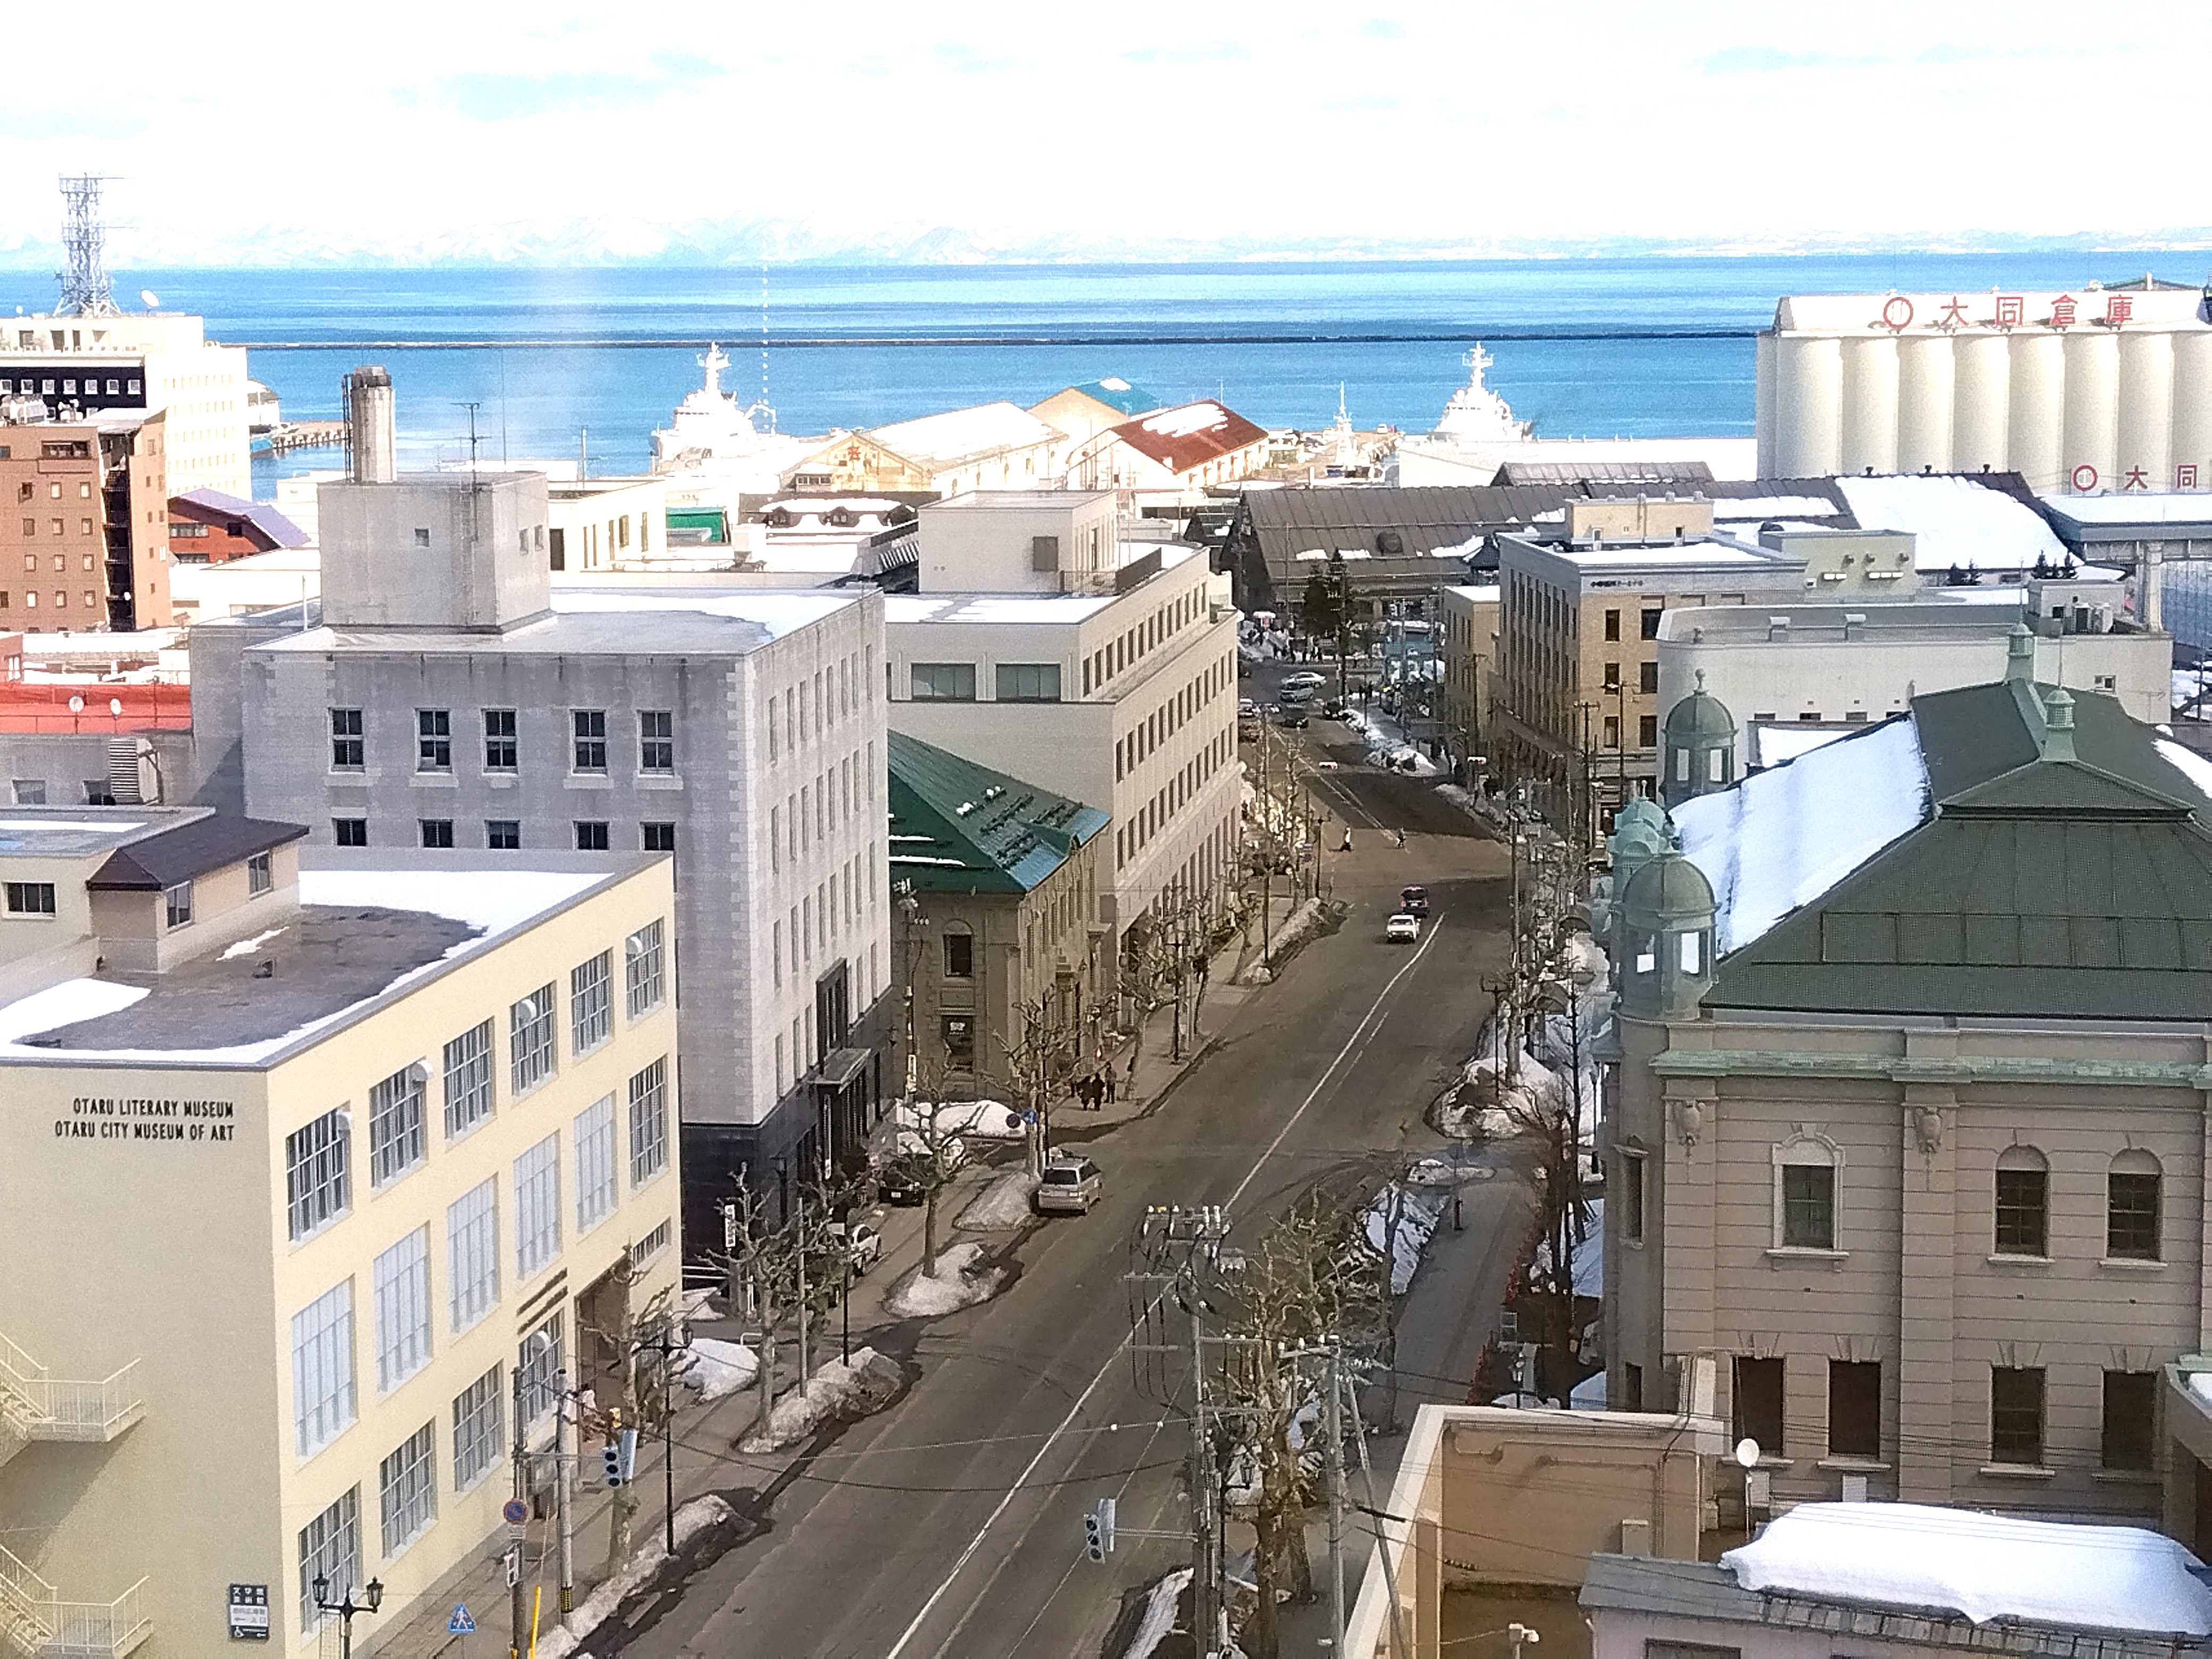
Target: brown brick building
83	525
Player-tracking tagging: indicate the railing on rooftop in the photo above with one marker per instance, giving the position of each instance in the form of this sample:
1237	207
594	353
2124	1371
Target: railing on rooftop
35	1623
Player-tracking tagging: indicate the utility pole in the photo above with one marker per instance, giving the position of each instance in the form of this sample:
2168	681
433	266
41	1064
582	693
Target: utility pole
1205	1581
564	1445
1335	1452
518	1603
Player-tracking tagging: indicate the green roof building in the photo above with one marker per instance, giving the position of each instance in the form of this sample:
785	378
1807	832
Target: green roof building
1915	1047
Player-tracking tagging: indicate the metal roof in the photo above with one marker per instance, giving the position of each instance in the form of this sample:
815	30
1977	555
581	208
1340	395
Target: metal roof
957	827
1631	472
1190	434
215	504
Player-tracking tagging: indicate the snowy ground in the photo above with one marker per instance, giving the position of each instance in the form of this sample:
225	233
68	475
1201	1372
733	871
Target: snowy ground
1300	925
1387	743
971	1120
961	1281
1402	1219
570	1636
836	1389
1159	1615
1003	1205
717	1369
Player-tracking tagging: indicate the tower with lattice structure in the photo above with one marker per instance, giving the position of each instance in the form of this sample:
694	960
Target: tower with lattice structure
84	283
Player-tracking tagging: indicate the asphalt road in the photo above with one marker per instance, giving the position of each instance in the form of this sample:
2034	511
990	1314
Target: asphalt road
952	1522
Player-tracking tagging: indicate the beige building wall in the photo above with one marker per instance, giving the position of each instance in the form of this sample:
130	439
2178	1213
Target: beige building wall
1470	657
173	1253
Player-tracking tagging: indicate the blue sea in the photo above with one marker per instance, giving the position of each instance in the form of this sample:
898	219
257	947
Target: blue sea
559	359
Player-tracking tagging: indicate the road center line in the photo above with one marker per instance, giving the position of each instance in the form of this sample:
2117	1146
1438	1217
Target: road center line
1022	1480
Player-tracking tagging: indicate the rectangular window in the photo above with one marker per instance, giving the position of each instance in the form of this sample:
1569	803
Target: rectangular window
347	745
1611	676
538	1362
501	754
472	1252
1651	621
656	740
409	1483
395	1125
330	1549
657	837
176	903
503	835
1028	682
433	740
322	1369
1631	1211
2131	1420
468	1079
959	956
1758	1404
648	1123
402	1279
591	836
2130	1216
642	970
1854	1408
258	879
536	1208
1808	1207
944	682
478	1434
315	1188
1647	731
591	1003
2016	1416
1647	678
590	727
2023	1208
530	1040
595	1164
349	832
30	898
436	833
29	791
651	1245
1613	624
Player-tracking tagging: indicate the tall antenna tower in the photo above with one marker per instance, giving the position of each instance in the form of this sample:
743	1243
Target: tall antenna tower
84	285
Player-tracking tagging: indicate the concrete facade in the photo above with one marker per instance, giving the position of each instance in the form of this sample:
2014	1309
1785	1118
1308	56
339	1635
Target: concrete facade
1019	541
84	523
1470	659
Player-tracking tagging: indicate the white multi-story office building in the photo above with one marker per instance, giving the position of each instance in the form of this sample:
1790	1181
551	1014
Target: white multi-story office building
445	694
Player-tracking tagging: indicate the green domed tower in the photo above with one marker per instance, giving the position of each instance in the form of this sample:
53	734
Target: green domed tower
1700	747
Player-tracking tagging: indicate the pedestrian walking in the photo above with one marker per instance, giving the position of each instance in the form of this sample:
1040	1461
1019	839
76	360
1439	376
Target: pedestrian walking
1401	840
1347	848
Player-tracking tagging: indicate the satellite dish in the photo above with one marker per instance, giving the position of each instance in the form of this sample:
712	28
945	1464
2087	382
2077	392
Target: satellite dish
76	705
1746	1453
115	706
152	303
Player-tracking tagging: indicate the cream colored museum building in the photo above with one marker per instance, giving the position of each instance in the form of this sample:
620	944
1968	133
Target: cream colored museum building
314	1181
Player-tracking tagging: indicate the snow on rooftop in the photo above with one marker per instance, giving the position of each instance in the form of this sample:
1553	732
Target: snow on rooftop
778	613
1957	520
1781	838
2187	762
1777	742
2134	508
88	826
1064	608
1983	1566
960	435
1702	552
1204	415
1774	507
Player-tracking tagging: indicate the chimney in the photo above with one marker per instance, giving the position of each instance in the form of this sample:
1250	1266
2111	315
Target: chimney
2019	655
369	426
2058	724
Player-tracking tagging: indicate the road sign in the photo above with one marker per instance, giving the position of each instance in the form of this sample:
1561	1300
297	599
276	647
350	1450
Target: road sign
514	1511
249	1613
513	1560
460	1624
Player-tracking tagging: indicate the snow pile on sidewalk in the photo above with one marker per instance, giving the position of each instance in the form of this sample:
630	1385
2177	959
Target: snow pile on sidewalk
1387	745
717	1369
1002	1206
1483	1104
961	1281
691	1519
971	1120
1300	925
837	1389
1589	1257
1159	1619
1402	1220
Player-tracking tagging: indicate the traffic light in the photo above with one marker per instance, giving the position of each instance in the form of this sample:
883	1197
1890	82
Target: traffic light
618	1457
1098	1530
611	1460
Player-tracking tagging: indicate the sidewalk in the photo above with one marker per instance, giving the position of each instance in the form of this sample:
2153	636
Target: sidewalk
705	1433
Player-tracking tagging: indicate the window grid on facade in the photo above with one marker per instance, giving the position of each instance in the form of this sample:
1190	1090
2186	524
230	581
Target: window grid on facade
468	1079
30	898
395	1125
1808	1207
596	1190
330	1549
530	1040
348	746
589	726
477	1430
323	1398
433	740
1854	1408
501	753
1758	1415
642	970
648	1123
2131	1217
2023	1211
537	1206
408	1484
590	835
402	1279
176	902
2131	1441
315	1174
472	1252
258	879
656	740
591	1003
657	837
2016	1416
538	1362
503	835
349	832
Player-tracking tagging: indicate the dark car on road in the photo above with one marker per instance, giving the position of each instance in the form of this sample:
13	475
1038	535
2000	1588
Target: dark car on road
1414	901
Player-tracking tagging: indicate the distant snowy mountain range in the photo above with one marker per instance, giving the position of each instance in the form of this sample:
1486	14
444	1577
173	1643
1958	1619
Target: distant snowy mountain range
617	240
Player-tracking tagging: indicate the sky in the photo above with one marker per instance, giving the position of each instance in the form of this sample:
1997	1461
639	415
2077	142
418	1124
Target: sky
1147	120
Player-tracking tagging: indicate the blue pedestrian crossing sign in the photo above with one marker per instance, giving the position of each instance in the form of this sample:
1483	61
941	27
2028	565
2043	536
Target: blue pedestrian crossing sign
460	1624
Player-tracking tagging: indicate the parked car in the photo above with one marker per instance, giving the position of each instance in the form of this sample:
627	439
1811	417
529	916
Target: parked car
863	1241
1414	901
1292	714
1402	928
1070	1185
1303	676
1246	706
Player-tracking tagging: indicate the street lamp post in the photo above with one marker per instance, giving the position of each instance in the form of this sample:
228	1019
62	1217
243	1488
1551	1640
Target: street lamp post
346	1608
673	1339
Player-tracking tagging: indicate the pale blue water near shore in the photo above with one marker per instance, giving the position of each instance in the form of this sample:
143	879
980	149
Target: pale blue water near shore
1586	348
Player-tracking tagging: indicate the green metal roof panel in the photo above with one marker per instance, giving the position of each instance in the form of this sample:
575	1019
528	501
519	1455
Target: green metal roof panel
957	826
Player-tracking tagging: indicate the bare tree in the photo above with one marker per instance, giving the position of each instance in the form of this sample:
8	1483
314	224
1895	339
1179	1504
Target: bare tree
638	1399
926	1150
1037	1054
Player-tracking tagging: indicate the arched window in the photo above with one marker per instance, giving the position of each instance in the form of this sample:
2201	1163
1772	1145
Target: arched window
2023	1199
1805	1169
2131	1207
959	951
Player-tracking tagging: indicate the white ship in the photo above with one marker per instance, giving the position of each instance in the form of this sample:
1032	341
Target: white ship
712	451
1476	415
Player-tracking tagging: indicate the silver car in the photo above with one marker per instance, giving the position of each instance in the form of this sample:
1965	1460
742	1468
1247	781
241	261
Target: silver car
1070	1186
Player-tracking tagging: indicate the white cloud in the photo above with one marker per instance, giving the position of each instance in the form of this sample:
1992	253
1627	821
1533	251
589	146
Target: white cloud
1433	121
